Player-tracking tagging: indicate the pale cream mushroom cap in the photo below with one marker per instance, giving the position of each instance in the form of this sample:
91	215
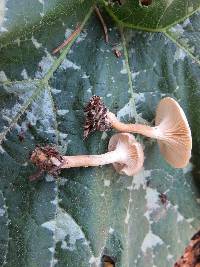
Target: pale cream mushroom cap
134	153
175	139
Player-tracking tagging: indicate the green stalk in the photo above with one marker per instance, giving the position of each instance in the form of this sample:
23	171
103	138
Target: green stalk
65	51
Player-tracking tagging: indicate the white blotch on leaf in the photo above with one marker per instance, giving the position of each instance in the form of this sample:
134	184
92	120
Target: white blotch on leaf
186	22
89	90
152	198
113	79
24	74
63	137
6	118
69	64
17	41
127	217
150	241
55	91
190	220
2	11
126	110
179	54
104	136
178	29
62	112
180	218
55	201
2	212
108	95
188	168
84	76
42	112
152	202
135	74
124	69
49	178
36	43
2	15
3	77
64	245
8	114
52	249
65	227
140	97
3	29
81	37
44	65
170	257
140	179
111	230
94	260
106	182
68	32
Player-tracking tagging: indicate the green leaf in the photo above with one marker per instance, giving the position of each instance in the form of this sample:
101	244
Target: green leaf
87	213
4	229
157	16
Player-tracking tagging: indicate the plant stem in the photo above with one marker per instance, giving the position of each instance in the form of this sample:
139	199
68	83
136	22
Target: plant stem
102	22
68	40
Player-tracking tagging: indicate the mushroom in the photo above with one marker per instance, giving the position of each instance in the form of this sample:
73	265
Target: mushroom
172	129
108	264
125	154
191	256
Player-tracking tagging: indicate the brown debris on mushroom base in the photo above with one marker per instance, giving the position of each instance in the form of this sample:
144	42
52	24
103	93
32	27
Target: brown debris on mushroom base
145	2
96	118
42	158
108	264
191	256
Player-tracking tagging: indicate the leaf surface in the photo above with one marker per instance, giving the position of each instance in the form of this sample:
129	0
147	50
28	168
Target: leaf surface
151	15
90	212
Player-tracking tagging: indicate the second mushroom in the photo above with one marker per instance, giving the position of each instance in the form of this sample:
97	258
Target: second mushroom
125	153
171	128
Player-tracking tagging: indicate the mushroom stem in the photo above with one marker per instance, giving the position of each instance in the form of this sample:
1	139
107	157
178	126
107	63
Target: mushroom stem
152	132
92	160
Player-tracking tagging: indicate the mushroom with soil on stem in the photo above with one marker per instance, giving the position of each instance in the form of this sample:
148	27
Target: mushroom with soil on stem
125	153
191	256
171	128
